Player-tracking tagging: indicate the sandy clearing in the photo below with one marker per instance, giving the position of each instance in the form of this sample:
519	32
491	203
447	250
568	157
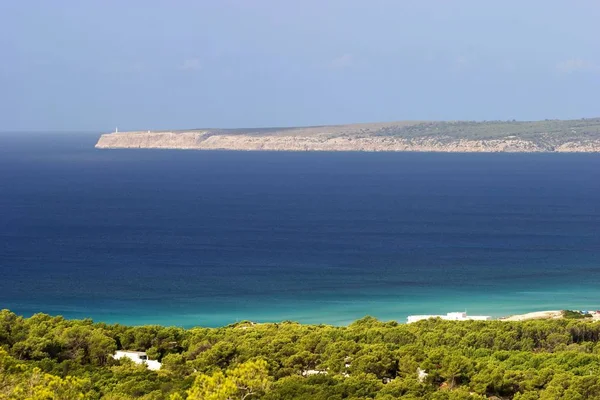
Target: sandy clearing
554	314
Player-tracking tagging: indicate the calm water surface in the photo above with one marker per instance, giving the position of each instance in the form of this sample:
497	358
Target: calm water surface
208	238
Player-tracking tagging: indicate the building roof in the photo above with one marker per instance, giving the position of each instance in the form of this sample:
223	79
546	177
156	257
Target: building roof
139	353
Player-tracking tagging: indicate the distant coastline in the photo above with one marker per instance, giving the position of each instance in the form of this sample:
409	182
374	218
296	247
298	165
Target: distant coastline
560	136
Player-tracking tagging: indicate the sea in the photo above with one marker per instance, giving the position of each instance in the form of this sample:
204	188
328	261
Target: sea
209	238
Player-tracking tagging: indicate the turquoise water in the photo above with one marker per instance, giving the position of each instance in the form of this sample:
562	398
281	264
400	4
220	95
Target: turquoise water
208	238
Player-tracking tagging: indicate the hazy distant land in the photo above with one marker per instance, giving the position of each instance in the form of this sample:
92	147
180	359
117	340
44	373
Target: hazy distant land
581	135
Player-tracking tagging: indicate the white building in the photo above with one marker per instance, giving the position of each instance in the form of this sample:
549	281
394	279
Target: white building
309	372
138	357
451	316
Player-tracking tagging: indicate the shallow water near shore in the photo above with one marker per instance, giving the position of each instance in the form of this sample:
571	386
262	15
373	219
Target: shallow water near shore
209	238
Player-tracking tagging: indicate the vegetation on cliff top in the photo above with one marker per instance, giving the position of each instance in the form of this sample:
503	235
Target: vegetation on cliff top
552	130
44	357
548	130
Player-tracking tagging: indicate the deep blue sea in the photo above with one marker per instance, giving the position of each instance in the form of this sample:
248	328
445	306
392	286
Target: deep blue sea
209	238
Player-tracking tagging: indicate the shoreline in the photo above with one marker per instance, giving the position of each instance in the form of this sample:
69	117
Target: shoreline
387	151
299	145
593	316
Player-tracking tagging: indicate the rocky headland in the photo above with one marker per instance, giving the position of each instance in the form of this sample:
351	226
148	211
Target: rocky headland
572	136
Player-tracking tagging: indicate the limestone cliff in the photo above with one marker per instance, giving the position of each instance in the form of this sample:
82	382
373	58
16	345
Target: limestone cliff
539	136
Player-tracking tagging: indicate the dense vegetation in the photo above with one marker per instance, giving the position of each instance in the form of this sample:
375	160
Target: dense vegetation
44	357
549	132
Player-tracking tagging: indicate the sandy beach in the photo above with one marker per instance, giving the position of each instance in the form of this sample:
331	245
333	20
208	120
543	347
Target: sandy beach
554	314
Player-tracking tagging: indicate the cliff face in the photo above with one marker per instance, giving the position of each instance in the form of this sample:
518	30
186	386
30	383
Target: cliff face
543	136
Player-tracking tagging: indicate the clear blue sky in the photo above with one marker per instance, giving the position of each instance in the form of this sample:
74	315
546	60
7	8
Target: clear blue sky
92	65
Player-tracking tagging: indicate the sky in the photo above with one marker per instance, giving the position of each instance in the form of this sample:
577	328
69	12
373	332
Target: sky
93	65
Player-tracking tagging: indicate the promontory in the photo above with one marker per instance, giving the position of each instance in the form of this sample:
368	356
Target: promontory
581	135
